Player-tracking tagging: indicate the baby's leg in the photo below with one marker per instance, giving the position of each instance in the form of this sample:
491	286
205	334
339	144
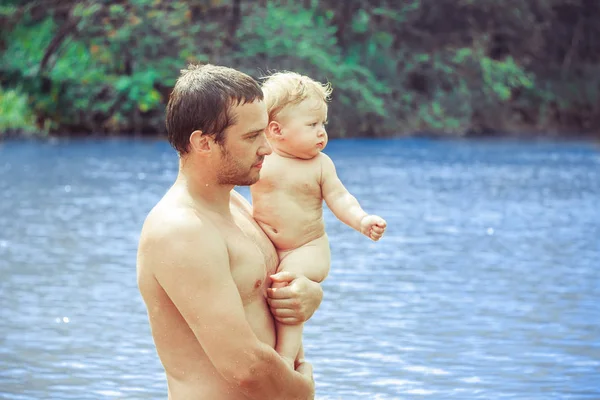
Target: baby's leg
311	260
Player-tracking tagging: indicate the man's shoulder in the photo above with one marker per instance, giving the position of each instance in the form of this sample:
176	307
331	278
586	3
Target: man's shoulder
176	236
166	216
170	223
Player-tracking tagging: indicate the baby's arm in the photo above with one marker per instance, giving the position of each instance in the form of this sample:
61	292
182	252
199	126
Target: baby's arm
345	206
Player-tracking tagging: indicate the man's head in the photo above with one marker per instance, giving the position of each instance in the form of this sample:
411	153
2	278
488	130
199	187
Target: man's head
202	100
297	108
218	115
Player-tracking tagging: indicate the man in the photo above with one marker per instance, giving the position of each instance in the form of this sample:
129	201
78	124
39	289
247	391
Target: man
203	262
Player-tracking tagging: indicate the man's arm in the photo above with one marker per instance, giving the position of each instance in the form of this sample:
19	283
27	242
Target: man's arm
343	205
191	263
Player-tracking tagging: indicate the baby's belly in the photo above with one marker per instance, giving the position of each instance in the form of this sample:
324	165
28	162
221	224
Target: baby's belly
289	221
293	233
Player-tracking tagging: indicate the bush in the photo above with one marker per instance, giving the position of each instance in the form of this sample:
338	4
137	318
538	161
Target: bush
15	114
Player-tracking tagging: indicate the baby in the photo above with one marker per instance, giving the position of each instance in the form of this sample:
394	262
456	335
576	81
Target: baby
294	181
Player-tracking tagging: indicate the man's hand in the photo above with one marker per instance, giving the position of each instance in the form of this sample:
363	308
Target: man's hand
297	302
373	227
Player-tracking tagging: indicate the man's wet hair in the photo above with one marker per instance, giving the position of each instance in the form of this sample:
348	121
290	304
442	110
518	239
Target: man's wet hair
202	100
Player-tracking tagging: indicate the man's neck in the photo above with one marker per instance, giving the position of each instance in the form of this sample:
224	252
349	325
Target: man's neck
202	186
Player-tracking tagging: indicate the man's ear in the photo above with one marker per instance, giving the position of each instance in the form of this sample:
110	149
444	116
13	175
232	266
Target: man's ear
200	143
274	130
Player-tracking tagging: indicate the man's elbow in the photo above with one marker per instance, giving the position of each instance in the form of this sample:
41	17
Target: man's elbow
262	383
259	379
250	375
250	378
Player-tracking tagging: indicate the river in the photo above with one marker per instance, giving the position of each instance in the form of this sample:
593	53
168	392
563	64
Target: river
485	286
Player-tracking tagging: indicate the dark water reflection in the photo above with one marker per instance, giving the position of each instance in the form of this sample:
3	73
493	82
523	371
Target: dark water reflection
486	285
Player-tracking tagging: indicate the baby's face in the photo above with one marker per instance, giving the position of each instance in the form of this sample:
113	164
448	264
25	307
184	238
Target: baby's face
303	129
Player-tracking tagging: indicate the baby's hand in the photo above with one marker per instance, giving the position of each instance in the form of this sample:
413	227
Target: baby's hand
373	226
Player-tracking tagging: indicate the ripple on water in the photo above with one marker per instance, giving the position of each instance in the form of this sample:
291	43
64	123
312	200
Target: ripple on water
485	285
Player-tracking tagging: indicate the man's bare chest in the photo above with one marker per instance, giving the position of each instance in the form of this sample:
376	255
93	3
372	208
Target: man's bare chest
252	258
247	265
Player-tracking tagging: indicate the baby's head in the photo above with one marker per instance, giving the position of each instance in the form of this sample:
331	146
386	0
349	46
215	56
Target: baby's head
297	107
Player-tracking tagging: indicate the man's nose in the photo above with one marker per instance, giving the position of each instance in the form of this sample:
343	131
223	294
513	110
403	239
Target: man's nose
265	148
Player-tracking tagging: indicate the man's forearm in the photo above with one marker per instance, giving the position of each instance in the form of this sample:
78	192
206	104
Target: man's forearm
270	378
347	209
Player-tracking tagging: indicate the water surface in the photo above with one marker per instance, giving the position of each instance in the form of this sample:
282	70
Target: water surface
486	285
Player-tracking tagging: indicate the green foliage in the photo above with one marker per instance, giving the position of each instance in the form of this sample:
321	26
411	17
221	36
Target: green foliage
16	114
26	47
438	66
105	76
304	40
460	84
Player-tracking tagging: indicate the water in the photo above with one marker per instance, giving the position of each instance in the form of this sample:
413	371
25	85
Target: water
486	285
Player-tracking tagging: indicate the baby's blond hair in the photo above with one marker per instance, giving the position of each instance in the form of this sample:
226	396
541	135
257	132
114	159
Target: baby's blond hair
283	89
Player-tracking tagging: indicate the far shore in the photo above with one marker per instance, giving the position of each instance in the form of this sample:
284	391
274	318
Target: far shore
521	135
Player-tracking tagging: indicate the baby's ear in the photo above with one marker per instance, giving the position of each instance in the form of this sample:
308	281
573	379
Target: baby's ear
274	130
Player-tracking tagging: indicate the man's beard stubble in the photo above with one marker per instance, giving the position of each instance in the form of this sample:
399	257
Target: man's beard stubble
232	173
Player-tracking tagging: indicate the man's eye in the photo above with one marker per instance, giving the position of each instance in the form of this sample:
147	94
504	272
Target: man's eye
253	136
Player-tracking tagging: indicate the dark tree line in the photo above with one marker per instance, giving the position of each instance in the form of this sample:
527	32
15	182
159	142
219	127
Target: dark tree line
452	67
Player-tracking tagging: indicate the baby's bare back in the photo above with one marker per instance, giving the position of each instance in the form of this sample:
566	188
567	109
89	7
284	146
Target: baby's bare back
287	200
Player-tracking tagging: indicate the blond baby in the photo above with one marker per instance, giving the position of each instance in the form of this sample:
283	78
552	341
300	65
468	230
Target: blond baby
294	181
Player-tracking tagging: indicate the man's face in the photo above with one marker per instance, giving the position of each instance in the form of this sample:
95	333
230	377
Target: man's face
245	145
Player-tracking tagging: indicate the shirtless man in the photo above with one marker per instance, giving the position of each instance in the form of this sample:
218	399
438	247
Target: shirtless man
204	264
